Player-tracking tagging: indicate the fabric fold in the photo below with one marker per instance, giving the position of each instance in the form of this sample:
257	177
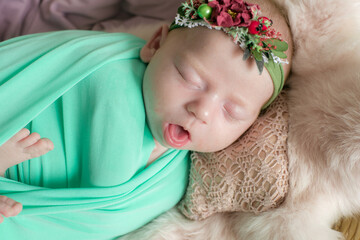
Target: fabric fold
83	90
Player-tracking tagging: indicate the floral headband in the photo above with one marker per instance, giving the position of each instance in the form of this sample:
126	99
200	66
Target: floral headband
249	30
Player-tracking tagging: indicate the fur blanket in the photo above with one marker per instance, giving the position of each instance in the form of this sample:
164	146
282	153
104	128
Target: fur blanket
324	137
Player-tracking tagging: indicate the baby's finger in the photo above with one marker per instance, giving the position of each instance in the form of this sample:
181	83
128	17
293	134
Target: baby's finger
29	140
9	207
20	135
16	209
41	147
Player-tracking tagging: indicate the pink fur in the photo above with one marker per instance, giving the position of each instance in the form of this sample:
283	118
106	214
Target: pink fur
324	137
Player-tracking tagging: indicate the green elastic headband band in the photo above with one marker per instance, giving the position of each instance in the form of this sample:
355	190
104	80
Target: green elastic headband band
277	75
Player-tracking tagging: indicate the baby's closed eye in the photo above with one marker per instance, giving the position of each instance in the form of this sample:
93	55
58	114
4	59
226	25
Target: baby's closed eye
191	81
232	111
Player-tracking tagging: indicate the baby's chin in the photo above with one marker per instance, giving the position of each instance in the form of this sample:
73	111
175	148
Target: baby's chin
176	137
208	147
204	148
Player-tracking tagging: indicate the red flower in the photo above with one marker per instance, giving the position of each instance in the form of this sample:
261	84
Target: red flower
228	13
254	27
265	22
261	25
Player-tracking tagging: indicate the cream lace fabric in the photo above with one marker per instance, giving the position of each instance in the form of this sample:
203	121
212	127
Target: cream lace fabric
251	175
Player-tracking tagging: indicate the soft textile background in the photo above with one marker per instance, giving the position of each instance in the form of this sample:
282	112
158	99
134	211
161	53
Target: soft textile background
19	17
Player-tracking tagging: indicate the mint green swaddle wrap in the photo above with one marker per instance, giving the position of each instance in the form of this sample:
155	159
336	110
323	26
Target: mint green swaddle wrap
82	90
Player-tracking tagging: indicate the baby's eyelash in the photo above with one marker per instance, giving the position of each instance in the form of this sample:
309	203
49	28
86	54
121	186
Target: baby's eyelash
228	114
231	114
191	84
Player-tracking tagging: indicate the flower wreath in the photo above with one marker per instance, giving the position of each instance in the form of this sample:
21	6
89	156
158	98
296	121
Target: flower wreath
249	30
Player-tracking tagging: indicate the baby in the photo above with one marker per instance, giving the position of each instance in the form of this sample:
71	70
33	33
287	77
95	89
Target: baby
200	92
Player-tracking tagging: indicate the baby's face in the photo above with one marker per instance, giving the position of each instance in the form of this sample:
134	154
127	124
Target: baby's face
199	94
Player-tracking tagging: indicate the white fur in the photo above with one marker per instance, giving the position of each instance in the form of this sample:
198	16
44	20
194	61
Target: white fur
324	137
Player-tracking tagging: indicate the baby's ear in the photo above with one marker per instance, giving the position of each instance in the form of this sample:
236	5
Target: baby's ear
148	51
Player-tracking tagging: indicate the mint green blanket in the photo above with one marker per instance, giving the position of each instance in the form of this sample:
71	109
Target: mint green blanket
82	90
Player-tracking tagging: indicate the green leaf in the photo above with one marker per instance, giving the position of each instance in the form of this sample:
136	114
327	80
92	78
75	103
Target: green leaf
260	65
279	54
257	55
181	11
247	54
280	45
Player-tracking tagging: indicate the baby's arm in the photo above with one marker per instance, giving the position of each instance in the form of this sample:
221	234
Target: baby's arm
21	147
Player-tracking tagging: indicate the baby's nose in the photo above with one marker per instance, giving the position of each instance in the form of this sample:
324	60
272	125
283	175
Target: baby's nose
202	109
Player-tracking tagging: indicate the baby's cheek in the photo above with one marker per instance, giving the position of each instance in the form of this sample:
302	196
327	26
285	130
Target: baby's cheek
231	136
212	141
172	97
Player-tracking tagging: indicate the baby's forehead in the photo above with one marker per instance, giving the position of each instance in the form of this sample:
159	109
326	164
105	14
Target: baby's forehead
217	66
202	44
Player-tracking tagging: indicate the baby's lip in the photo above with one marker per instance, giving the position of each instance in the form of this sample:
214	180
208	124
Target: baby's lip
175	135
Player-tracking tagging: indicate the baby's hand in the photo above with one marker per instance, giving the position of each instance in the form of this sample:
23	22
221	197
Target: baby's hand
9	208
21	147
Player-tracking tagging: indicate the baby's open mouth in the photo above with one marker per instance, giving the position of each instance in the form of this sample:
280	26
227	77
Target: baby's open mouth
176	136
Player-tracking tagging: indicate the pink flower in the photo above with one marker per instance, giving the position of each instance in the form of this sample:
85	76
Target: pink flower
228	13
